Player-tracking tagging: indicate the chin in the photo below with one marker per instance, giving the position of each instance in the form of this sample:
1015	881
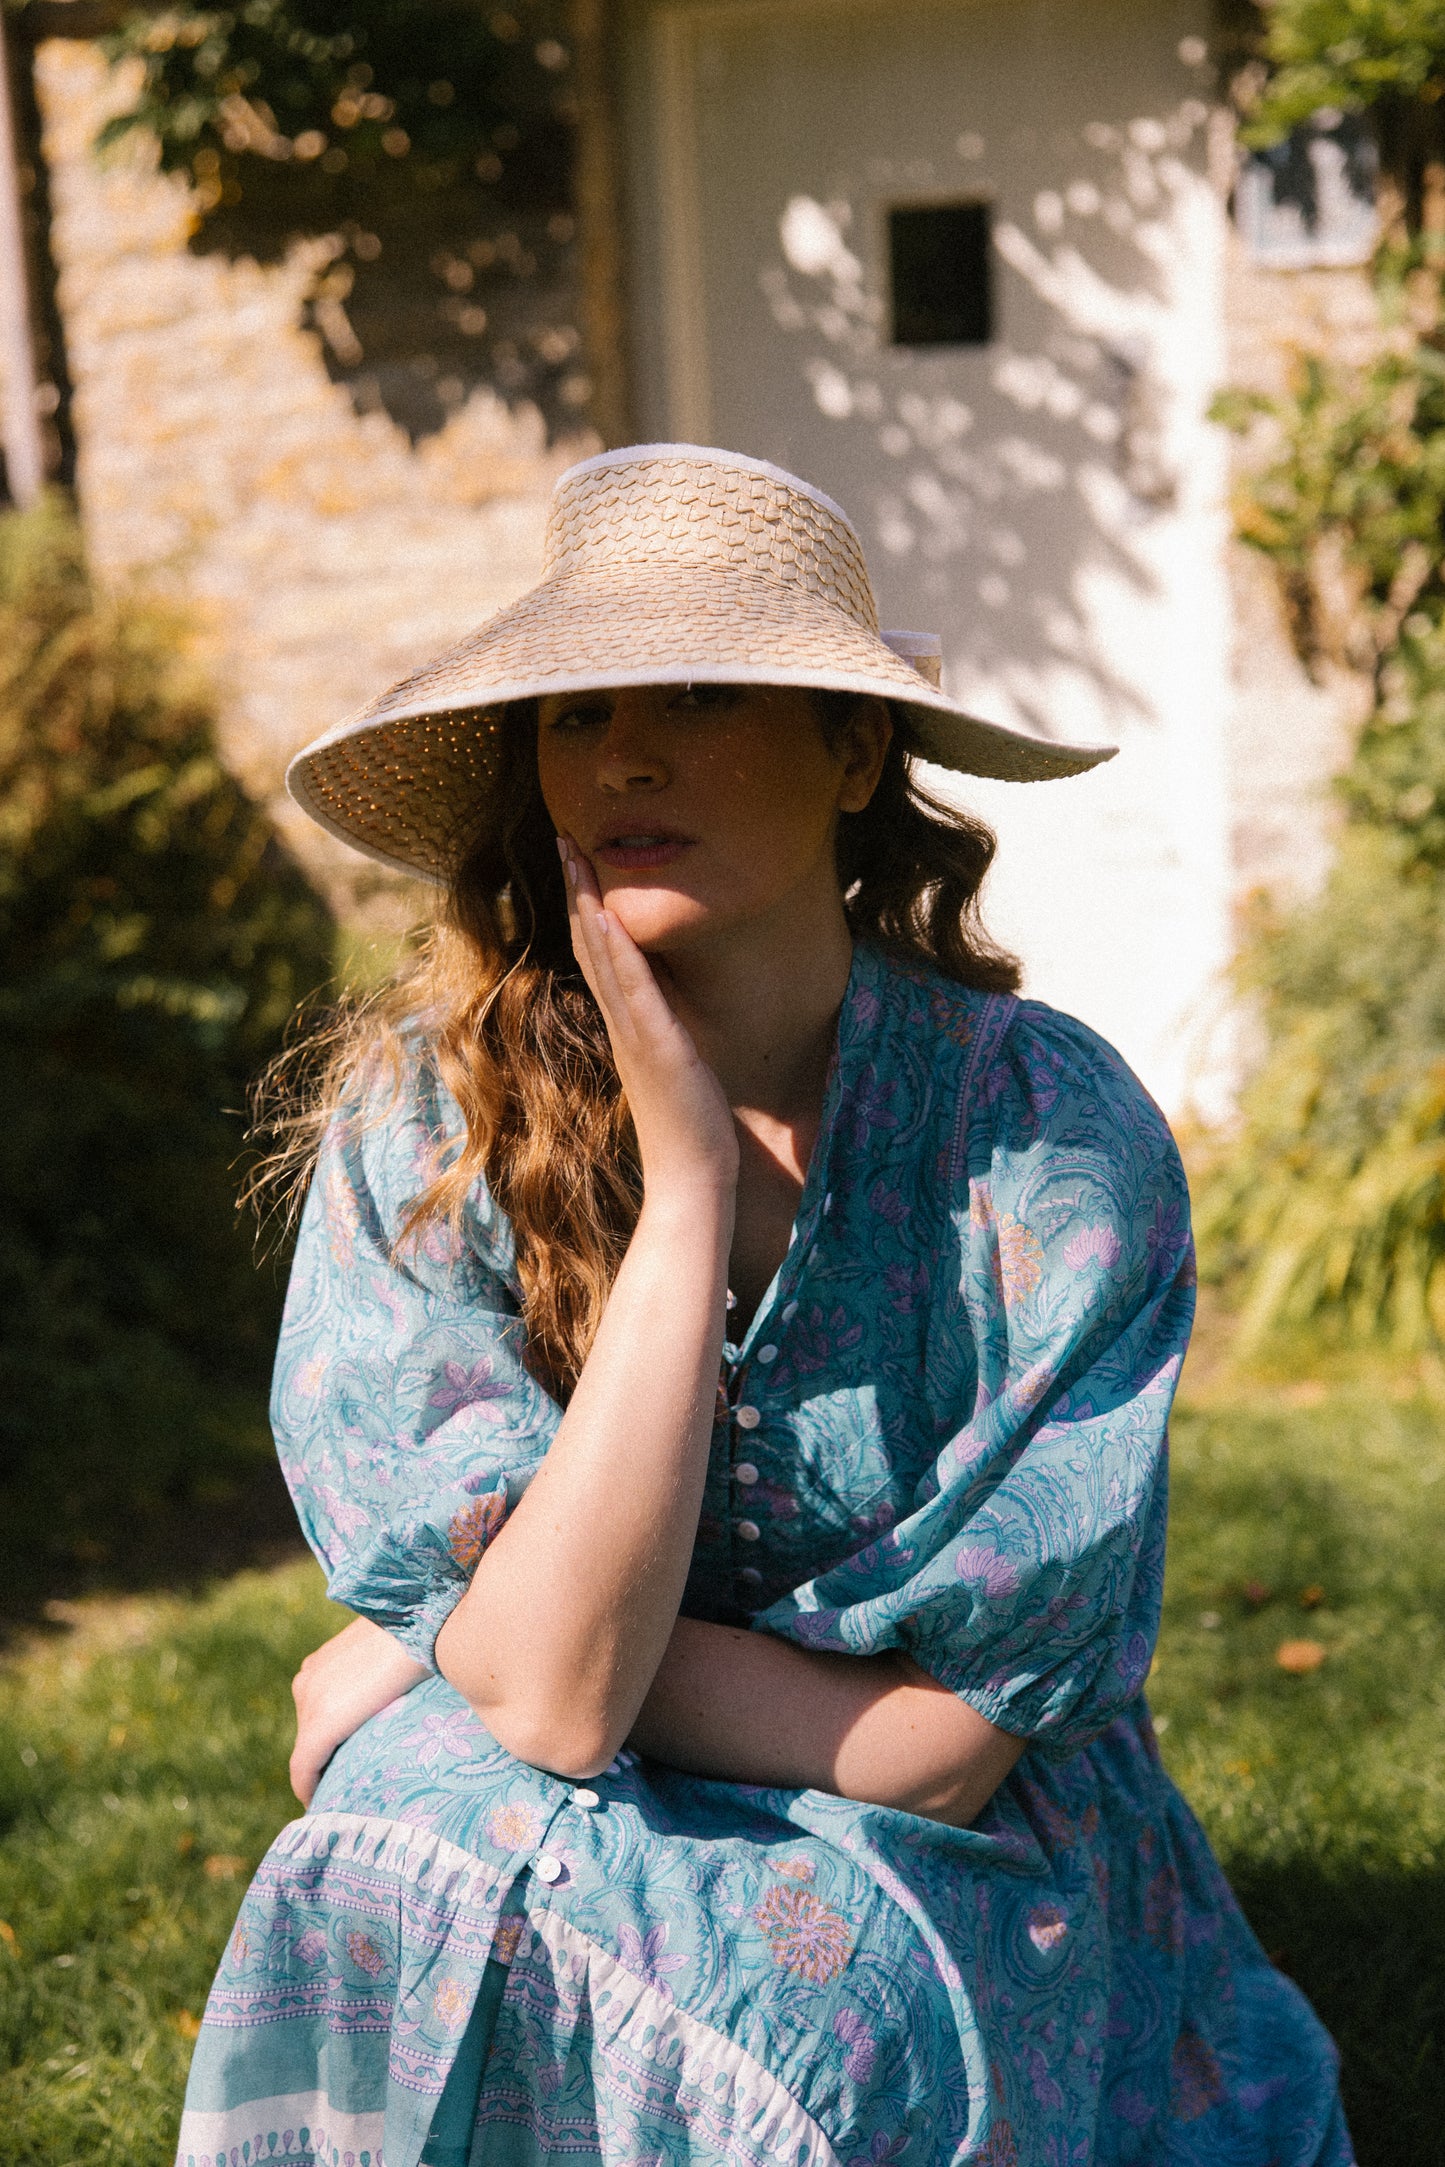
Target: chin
659	918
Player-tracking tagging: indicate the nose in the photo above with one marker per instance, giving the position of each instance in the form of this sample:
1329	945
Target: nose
630	756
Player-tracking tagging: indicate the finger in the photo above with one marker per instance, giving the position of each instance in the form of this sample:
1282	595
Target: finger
579	930
594	928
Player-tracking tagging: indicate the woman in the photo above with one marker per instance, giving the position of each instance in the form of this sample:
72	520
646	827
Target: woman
726	1366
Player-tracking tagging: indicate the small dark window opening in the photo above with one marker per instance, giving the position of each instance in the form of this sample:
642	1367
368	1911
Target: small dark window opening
942	274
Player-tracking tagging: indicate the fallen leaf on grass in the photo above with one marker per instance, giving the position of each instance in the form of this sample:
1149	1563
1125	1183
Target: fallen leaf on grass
1311	1597
1299	1657
1256	1594
7	1935
188	2026
223	1866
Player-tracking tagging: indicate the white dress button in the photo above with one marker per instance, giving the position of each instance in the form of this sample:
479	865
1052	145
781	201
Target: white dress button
747	1418
748	1530
745	1473
828	1203
585	1799
752	1576
546	1868
768	1353
790	1310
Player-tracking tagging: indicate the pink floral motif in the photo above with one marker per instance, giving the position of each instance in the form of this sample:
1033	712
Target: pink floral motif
472	1527
645	1955
998	1576
515	1828
860	2049
908	1286
796	1869
364	1953
806	1935
1020	1258
452	1736
452	2005
310	1946
1047	1927
345	1516
1098	1245
463	1387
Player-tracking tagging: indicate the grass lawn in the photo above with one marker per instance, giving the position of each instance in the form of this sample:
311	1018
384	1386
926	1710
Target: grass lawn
143	1746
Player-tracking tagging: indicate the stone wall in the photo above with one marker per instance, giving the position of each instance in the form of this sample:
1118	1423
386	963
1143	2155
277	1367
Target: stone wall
317	553
1288	736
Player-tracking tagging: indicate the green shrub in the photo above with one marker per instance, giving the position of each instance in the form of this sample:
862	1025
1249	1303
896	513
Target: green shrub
154	941
1327	1209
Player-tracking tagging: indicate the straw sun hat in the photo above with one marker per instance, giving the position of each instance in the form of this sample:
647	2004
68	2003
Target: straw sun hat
665	564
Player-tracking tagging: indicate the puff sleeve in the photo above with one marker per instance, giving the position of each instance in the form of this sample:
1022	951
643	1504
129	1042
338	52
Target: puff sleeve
406	1424
1027	1576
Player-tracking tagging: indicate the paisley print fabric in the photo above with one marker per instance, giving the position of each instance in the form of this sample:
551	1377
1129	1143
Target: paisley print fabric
944	1432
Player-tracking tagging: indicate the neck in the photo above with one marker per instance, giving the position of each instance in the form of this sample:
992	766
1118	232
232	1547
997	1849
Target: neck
761	1003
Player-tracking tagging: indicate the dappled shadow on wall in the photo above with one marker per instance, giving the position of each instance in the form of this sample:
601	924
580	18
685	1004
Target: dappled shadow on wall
1007	389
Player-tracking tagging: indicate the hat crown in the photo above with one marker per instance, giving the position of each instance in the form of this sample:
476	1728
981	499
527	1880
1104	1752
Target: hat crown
673	505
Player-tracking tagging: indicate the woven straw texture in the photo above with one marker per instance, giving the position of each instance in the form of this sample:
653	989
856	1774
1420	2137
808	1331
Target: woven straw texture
663	565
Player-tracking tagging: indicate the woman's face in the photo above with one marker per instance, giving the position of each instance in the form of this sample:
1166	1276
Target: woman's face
704	808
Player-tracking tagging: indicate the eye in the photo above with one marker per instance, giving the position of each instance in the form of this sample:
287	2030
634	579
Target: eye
704	699
581	714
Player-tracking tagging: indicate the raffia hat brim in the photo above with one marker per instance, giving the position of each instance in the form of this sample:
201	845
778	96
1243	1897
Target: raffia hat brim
408	781
664	564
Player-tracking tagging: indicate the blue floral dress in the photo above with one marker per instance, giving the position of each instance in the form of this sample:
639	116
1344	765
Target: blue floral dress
943	1431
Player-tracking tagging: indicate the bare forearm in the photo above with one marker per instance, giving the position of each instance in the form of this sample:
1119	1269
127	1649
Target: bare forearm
746	1707
569	1612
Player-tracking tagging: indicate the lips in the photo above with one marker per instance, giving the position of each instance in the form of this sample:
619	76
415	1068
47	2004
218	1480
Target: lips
640	849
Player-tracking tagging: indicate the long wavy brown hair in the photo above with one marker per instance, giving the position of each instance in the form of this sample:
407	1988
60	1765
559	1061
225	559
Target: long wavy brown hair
494	996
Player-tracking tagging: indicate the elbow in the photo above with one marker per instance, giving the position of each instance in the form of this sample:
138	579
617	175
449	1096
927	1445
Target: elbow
553	1741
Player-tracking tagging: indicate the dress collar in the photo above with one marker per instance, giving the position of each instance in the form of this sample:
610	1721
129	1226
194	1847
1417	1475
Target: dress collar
859	1020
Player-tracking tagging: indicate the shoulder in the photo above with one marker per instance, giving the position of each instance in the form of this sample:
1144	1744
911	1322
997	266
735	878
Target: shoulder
395	1131
1051	1078
1060	1132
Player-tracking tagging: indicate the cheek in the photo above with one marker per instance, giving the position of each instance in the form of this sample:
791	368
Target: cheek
561	794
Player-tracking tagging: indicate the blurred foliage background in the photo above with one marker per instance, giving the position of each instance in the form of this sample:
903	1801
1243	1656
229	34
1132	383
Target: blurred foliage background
1326	1210
155	941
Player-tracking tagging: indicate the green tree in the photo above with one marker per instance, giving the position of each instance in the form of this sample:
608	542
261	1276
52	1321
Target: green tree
430	141
155	940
